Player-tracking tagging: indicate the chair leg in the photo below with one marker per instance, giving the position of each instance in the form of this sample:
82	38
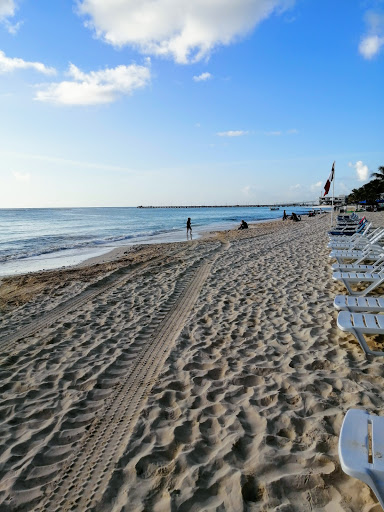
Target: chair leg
363	343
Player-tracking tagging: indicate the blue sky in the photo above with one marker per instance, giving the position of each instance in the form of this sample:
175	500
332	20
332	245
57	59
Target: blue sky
123	103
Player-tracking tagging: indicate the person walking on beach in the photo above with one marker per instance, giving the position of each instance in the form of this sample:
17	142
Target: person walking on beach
189	227
285	216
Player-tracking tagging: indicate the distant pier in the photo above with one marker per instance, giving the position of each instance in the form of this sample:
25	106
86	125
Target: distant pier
282	205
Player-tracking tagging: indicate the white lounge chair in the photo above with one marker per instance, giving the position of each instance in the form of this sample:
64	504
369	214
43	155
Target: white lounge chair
371	252
359	304
347	278
358	242
348	218
359	324
357	266
347	230
348	238
361	449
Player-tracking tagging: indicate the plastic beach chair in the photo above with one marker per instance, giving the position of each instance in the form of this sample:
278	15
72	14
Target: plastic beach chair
366	228
370	252
358	304
348	230
361	449
359	324
348	218
347	278
357	241
362	231
357	266
353	220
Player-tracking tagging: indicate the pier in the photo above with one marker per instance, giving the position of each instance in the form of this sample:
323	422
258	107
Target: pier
281	205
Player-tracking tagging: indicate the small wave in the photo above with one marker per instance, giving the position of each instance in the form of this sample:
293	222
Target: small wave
56	248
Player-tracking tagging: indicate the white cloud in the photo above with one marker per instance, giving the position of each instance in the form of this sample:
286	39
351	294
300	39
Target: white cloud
273	134
232	133
315	186
7	65
22	178
203	77
96	87
184	30
7	9
13	28
292	132
371	44
361	170
295	187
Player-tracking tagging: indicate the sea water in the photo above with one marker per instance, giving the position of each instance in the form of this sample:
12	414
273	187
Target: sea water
46	238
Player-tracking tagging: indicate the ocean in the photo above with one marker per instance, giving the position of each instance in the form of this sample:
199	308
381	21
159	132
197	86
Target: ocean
46	238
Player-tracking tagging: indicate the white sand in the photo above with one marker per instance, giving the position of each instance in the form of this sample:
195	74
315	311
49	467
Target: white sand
205	376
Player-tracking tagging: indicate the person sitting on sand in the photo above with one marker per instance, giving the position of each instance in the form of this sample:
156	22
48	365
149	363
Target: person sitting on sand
285	216
243	225
295	217
189	227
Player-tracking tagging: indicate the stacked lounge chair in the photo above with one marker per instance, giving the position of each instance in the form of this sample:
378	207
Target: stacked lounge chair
360	267
361	442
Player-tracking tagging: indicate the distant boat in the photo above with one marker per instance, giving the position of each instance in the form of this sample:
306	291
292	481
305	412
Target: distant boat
274	208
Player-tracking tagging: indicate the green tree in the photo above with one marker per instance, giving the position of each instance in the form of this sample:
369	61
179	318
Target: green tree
379	174
370	191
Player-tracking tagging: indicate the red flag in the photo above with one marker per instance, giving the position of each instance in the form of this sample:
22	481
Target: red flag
329	180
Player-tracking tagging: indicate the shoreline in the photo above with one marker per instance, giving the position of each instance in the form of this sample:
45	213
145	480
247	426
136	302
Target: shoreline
72	258
72	251
188	376
106	262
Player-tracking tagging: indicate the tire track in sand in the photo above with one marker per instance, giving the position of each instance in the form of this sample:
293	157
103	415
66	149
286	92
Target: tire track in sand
85	479
116	278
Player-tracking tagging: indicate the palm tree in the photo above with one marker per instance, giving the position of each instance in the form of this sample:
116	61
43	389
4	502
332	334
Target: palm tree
380	174
371	190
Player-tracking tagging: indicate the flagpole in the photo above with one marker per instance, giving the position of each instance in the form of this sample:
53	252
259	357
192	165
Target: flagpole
333	194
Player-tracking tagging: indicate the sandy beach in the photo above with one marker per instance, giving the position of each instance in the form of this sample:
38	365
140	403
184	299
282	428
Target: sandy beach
198	376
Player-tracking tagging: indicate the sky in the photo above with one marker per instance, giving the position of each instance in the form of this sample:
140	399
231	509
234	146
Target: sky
180	102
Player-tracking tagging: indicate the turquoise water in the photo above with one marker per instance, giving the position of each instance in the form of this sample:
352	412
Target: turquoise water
36	239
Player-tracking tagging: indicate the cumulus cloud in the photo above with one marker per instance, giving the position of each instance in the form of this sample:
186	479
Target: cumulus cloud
203	77
232	133
372	42
21	177
180	29
8	65
96	87
7	9
362	171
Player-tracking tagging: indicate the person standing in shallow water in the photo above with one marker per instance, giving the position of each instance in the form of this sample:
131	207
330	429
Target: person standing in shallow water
189	227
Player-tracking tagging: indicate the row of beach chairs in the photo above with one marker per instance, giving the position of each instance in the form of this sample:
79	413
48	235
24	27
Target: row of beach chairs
359	256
